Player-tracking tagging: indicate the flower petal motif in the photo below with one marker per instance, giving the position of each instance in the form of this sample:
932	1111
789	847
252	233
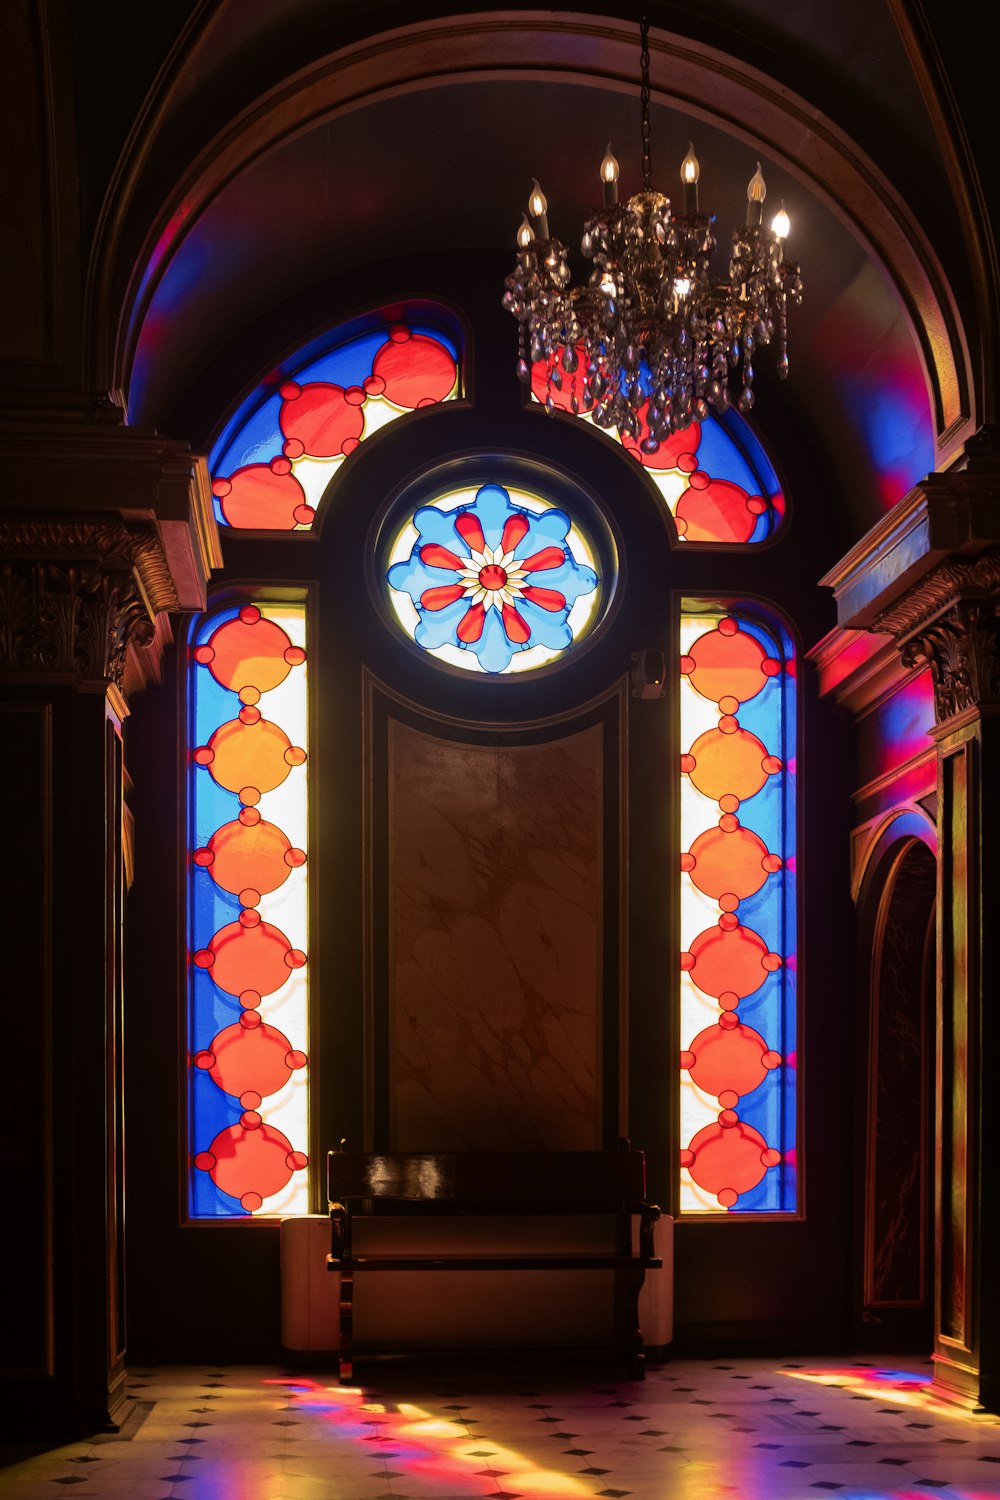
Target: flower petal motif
436	556
471	577
438	598
549	599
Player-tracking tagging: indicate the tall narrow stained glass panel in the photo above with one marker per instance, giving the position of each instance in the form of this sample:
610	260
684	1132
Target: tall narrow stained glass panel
737	912
248	911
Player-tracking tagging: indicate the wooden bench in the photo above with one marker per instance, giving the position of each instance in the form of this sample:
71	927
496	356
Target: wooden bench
500	1183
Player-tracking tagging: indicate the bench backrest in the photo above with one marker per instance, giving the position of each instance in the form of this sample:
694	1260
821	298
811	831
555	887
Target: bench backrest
546	1181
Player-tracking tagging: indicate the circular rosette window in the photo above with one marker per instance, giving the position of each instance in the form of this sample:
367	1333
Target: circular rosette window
494	579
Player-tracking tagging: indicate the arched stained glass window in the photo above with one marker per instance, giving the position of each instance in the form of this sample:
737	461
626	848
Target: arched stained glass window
494	580
495	570
286	442
737	911
714	477
248	911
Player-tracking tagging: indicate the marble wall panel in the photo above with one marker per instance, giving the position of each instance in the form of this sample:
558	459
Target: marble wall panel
495	912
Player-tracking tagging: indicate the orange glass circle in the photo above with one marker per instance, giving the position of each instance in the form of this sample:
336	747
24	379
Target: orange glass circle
727	664
729	862
254	857
728	1061
250	755
728	765
249	958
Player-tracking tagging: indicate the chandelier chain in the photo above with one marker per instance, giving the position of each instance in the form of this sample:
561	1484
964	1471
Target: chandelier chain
647	163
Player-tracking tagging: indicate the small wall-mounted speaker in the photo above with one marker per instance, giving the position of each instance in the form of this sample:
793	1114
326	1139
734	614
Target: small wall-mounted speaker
649	674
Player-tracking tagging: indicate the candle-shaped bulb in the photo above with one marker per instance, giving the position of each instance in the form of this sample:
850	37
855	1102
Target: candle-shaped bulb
756	193
538	204
690	167
609	177
525	234
690	172
538	208
781	223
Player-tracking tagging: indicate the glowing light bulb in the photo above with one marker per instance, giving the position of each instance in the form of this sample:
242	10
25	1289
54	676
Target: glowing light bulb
609	177
538	208
682	286
538	204
525	234
781	223
690	166
756	193
690	172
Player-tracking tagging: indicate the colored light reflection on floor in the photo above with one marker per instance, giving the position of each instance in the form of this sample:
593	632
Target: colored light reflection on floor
903	1387
431	1446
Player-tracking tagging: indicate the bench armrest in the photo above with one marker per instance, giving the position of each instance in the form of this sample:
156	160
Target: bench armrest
340	1232
649	1213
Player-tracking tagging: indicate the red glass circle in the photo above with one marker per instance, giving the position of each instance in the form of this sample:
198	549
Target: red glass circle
250	1162
731	962
250	1061
258	499
321	418
245	958
416	370
729	1061
729	861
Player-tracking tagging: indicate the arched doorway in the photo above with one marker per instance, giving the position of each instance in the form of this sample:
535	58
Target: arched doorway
898	916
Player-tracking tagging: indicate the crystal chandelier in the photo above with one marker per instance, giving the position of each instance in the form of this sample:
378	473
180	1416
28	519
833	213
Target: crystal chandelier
651	342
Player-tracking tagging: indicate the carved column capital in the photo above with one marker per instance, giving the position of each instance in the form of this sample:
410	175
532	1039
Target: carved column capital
950	622
962	649
78	596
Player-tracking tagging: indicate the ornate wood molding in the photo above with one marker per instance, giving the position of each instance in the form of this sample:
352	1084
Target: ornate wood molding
928	577
939	591
76	595
962	649
104	531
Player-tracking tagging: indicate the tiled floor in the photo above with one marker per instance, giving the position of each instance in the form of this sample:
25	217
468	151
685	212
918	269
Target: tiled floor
752	1429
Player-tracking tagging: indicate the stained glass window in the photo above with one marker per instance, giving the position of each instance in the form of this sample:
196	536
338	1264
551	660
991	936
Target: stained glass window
248	911
714	477
493	580
283	446
737	912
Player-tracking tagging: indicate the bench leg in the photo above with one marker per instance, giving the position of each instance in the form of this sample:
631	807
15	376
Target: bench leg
346	1327
627	1333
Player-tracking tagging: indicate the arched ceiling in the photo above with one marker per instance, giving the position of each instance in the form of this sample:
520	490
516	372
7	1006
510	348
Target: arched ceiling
426	141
